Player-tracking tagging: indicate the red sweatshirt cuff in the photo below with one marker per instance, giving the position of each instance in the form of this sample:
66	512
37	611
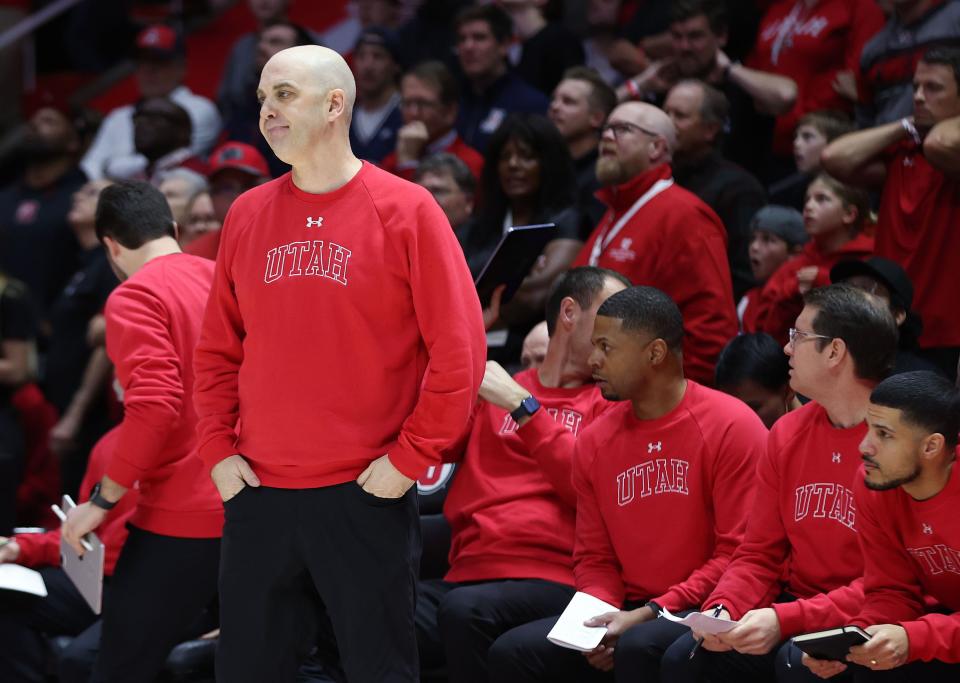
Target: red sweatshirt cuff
537	429
131	440
410	463
790	616
918	637
39	550
217	449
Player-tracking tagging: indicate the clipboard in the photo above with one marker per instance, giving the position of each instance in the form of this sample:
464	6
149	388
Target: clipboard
85	572
512	260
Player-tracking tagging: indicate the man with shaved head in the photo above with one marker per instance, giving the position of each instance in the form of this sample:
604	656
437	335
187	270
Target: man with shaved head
341	353
660	235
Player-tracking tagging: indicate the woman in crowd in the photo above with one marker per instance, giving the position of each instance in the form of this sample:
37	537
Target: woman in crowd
527	179
754	368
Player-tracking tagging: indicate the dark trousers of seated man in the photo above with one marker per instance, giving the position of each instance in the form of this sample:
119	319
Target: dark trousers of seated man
26	621
458	622
159	588
784	662
524	655
359	553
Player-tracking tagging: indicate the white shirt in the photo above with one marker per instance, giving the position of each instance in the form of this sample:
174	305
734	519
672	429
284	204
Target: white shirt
114	140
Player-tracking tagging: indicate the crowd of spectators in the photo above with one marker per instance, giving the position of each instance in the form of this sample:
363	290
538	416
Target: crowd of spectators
735	155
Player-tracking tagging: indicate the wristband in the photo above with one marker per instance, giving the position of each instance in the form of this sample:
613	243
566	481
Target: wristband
655	607
911	130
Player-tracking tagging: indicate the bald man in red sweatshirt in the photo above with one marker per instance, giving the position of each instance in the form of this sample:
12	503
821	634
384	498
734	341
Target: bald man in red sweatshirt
511	506
659	234
907	496
663	485
800	564
342	351
167	572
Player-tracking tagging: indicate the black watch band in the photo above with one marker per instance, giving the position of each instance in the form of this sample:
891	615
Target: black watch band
99	500
527	408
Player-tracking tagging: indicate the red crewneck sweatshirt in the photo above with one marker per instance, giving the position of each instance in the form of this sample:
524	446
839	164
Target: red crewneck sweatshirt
512	505
677	244
912	554
780	300
341	327
43	550
661	504
153	323
801	535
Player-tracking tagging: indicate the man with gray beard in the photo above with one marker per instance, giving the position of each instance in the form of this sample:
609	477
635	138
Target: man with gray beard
660	235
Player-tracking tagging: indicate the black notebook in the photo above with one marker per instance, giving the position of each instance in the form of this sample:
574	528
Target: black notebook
514	257
831	644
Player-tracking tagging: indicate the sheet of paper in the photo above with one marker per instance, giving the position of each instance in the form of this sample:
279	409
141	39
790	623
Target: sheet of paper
701	623
13	577
569	632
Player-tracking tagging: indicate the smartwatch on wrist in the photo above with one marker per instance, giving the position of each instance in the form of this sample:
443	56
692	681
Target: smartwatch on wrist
528	407
99	500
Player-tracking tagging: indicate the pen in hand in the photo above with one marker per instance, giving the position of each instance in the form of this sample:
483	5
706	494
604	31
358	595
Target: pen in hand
696	646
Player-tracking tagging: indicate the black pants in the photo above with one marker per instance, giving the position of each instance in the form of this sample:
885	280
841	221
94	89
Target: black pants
782	663
525	655
357	552
457	623
26	621
159	588
12	458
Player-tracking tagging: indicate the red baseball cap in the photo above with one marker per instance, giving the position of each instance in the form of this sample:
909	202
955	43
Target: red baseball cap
239	156
160	42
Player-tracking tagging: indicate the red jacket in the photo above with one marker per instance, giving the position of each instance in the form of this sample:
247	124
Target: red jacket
341	327
511	507
451	144
153	323
780	300
661	504
917	228
912	552
811	46
677	244
43	550
801	534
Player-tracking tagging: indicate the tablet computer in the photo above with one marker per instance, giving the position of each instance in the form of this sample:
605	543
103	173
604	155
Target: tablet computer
512	260
832	644
85	572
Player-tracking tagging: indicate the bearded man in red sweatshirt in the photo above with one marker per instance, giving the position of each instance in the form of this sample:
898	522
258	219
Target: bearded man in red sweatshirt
800	565
659	234
511	506
167	571
907	498
342	351
663	484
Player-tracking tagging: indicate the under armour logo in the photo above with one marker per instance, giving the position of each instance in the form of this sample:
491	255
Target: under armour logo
836	457
927	529
651	447
314	222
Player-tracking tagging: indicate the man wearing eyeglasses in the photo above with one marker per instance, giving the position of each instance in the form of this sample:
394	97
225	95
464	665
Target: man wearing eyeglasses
800	565
659	234
429	99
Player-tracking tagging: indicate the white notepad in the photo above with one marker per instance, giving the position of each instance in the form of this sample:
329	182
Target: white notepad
14	577
569	631
699	622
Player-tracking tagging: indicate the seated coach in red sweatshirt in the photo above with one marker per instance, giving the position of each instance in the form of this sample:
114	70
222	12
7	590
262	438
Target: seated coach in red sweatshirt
907	499
342	352
663	482
800	565
511	507
167	571
659	234
25	624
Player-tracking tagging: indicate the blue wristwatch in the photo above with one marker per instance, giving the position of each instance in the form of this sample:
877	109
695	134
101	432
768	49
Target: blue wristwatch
528	407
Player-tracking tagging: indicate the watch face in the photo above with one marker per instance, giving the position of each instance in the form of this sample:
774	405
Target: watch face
530	404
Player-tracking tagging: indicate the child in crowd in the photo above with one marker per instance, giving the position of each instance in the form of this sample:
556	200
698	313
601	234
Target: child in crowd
834	217
814	132
778	234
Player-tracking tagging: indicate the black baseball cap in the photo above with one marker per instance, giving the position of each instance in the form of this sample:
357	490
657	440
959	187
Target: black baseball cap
890	273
